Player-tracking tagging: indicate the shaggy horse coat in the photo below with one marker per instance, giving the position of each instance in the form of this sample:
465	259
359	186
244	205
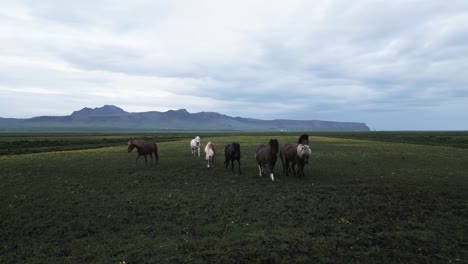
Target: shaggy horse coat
303	154
232	153
295	154
144	148
210	152
288	154
267	155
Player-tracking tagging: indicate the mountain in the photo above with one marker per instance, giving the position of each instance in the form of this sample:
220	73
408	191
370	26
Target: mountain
113	118
106	110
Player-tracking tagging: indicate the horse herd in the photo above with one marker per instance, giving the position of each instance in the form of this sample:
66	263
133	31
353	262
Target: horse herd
292	155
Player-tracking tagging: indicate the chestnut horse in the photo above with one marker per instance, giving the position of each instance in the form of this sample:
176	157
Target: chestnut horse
144	148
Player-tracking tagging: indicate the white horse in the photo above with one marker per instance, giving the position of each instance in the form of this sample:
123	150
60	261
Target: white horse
209	154
195	145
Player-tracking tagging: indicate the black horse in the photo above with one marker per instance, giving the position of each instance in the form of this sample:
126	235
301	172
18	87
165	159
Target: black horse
232	153
303	139
267	155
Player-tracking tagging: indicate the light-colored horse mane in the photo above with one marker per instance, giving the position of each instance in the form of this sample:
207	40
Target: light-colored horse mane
303	151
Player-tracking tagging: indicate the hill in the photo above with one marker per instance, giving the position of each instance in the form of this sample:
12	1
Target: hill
113	118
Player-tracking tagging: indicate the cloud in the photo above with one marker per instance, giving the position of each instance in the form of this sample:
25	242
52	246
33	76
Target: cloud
328	59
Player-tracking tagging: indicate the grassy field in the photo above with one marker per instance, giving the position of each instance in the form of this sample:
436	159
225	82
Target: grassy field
361	201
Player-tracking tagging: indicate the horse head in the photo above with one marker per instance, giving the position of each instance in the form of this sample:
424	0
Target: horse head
197	141
304	152
303	139
131	146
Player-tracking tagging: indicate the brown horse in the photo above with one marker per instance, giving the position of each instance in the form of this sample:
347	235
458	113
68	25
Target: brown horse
144	148
296	154
210	152
267	155
303	139
288	154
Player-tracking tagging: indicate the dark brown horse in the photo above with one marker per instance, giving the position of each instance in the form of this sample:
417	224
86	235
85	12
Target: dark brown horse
267	155
144	148
297	154
303	139
288	154
232	153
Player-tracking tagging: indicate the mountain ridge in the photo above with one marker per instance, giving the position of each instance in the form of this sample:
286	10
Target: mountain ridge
110	118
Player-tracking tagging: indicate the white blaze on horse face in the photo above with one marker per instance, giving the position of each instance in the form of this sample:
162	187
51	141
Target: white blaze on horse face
260	170
272	177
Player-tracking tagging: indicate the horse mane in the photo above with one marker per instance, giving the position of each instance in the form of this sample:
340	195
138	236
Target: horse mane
302	138
274	146
235	146
211	146
302	149
137	144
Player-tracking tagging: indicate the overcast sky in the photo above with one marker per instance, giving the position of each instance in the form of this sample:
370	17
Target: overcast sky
395	65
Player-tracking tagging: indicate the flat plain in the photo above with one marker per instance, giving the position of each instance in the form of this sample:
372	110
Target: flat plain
395	197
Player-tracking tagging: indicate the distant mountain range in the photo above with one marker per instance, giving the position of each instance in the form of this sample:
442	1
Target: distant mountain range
113	118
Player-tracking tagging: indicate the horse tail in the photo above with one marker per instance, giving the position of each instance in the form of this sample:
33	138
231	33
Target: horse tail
156	155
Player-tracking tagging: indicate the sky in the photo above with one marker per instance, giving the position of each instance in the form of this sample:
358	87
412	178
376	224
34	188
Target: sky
394	65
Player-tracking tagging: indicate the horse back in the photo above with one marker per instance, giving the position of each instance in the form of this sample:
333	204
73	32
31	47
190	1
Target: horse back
289	151
262	154
232	151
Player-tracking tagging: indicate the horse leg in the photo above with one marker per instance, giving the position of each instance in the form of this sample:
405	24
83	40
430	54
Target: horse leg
151	156
146	160
136	161
282	163
260	169
271	166
156	156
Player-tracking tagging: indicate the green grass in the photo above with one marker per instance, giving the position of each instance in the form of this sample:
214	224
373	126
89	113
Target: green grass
360	202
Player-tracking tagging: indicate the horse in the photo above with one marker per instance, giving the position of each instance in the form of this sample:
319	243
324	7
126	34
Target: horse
267	155
303	139
195	145
288	154
210	152
232	153
144	148
297	154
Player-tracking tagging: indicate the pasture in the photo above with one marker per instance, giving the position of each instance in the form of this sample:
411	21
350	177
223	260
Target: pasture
366	201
